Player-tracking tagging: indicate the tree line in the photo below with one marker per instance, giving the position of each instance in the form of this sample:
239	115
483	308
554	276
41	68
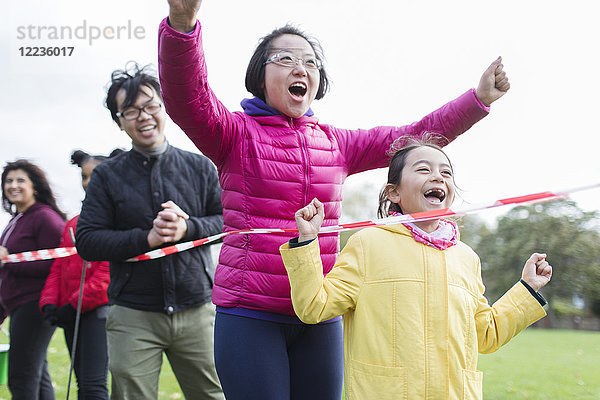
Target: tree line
570	237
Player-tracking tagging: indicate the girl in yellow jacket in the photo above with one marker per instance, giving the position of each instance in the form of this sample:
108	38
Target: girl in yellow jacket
415	316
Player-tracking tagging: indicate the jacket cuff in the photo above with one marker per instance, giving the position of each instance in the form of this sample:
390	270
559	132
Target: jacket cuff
294	242
537	295
479	102
166	26
190	231
187	33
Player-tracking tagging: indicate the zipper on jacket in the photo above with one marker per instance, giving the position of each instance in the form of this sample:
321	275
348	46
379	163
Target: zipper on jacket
304	151
10	228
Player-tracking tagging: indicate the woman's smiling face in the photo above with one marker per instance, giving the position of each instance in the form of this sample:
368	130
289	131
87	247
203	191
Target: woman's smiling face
291	90
19	190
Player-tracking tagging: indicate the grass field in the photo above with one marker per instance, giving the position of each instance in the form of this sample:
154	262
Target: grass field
544	364
537	364
59	363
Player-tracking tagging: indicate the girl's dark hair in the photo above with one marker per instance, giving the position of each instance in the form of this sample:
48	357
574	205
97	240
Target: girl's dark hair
131	79
255	74
80	157
401	148
42	191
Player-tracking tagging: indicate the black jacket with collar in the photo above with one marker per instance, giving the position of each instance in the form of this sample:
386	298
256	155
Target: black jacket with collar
122	199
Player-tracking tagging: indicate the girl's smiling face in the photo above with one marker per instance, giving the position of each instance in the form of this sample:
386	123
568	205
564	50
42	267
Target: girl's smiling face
427	182
291	89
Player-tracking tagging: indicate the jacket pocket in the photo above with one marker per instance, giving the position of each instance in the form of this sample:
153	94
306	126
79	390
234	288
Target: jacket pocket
119	277
472	385
370	381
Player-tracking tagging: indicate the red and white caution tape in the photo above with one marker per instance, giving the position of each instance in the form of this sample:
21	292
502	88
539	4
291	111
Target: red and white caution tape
37	255
416	217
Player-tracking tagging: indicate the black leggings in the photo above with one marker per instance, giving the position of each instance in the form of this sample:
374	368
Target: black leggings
91	355
28	377
265	360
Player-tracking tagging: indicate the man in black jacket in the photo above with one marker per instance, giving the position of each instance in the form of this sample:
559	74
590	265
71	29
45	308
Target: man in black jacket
146	198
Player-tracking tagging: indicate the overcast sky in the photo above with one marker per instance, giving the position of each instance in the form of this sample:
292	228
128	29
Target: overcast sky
391	63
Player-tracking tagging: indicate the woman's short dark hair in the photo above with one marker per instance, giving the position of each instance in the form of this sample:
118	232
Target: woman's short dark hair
255	74
41	187
131	79
401	148
80	157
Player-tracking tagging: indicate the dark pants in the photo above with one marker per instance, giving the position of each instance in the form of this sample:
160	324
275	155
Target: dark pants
91	355
28	377
265	360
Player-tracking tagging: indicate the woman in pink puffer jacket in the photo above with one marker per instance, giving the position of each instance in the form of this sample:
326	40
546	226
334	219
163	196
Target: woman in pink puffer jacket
272	159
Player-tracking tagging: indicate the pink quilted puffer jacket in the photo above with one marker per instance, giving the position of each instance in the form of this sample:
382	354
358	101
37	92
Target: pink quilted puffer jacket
270	166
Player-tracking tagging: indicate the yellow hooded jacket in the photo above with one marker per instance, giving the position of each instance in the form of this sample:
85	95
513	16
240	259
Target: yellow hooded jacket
415	317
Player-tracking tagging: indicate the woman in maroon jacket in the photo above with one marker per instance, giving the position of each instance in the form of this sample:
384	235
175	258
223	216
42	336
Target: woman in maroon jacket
60	297
36	224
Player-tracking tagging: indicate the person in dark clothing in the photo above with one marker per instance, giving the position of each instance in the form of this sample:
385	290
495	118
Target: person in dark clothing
64	292
36	224
151	196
